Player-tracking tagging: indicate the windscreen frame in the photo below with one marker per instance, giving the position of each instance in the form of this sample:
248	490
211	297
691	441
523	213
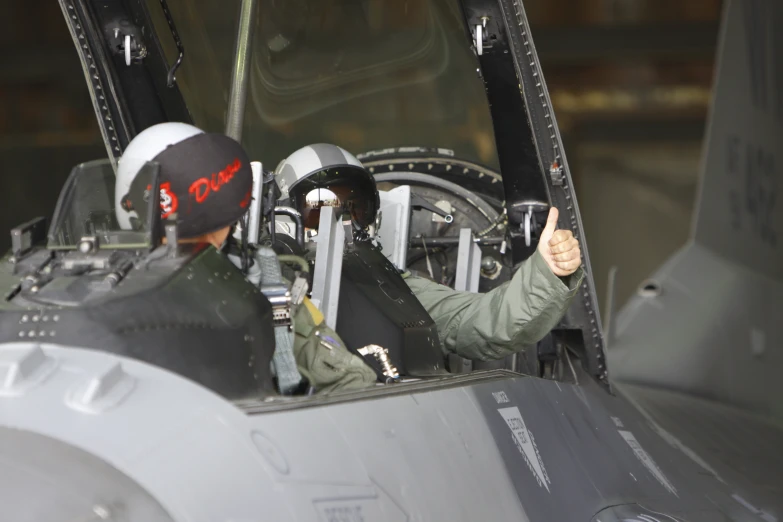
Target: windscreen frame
149	237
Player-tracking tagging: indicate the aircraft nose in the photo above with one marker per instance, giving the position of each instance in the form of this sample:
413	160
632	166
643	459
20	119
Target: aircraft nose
42	478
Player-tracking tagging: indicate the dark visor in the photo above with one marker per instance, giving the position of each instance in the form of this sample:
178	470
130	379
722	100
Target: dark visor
349	189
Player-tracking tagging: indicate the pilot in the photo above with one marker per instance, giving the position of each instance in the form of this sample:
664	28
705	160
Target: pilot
484	327
206	181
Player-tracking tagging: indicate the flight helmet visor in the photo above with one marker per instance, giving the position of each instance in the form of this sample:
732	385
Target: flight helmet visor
324	174
349	189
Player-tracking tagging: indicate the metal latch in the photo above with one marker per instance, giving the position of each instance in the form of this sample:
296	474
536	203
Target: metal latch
419	203
556	173
280	298
298	291
382	356
26	236
125	39
478	37
523	213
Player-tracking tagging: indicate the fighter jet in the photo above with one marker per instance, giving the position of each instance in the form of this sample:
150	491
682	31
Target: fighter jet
110	410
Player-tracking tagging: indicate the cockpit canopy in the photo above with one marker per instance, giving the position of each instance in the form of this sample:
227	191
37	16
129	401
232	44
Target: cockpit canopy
86	210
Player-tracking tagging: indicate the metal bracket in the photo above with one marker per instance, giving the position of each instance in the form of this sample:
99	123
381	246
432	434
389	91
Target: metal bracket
254	216
328	265
523	212
295	216
468	263
478	36
280	298
419	203
131	48
254	213
556	173
298	291
124	38
392	233
89	244
382	356
27	235
172	238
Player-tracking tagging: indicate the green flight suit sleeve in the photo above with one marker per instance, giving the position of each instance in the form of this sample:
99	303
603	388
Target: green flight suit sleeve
322	357
498	323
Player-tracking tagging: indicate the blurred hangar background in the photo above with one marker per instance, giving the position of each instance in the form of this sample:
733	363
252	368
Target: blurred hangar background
630	81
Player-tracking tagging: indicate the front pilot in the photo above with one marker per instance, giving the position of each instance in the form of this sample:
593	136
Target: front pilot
482	327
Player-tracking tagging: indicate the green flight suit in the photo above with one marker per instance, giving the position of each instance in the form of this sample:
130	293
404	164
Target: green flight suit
498	323
476	326
322	357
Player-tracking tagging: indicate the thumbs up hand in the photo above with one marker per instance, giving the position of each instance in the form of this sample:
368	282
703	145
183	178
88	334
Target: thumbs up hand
559	248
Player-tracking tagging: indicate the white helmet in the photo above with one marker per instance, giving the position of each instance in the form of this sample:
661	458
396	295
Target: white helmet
143	148
324	174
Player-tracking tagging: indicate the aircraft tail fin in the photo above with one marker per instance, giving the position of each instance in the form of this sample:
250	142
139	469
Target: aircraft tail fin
710	323
739	213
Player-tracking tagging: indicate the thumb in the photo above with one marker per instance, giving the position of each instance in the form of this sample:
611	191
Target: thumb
551	224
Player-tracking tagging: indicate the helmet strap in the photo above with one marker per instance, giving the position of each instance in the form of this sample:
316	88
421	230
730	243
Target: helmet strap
245	248
231	245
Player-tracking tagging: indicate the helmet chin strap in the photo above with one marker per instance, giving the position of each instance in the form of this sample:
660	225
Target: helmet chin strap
359	233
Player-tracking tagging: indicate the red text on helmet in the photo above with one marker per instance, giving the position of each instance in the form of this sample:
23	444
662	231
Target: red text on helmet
246	200
203	187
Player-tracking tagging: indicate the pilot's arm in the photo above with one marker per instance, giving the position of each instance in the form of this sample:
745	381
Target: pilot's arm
519	312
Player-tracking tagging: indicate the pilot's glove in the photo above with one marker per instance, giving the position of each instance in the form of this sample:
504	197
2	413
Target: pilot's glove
322	357
559	248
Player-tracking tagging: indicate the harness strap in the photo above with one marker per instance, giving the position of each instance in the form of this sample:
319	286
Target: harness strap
275	289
